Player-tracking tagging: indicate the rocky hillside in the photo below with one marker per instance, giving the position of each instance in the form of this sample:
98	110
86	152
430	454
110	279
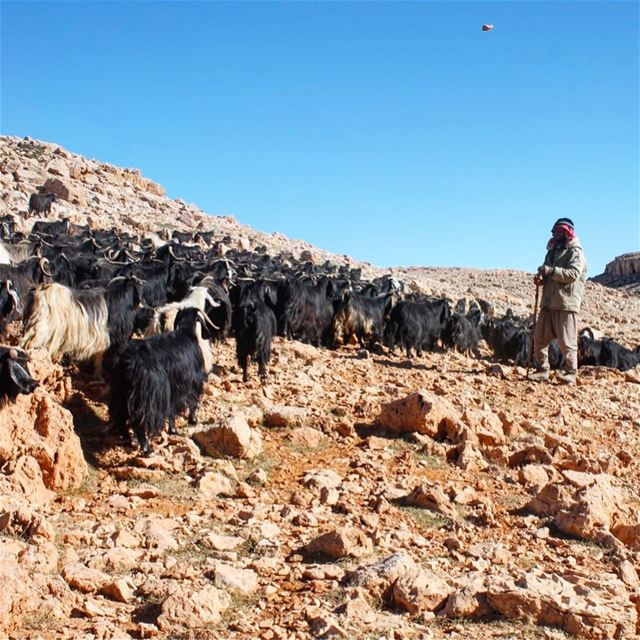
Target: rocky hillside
104	196
355	495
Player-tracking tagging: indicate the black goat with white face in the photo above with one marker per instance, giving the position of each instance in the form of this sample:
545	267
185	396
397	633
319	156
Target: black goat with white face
254	325
157	378
14	375
19	282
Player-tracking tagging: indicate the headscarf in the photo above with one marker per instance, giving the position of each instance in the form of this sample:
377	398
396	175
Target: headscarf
568	233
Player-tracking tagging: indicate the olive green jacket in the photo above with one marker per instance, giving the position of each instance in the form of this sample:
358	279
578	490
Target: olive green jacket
563	289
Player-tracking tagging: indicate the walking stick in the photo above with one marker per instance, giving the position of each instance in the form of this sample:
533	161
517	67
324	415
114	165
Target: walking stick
533	328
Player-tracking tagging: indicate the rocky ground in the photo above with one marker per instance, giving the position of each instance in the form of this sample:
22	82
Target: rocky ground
355	495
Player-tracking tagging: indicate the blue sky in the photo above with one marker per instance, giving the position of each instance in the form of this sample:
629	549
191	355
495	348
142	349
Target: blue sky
396	132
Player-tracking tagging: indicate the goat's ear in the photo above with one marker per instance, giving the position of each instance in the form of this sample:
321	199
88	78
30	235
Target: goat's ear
20	377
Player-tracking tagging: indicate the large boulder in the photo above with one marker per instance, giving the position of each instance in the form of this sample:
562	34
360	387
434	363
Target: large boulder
420	412
192	607
341	542
420	591
594	608
584	505
234	438
36	428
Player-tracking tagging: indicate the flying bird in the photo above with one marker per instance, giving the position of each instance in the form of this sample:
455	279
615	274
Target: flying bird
487	27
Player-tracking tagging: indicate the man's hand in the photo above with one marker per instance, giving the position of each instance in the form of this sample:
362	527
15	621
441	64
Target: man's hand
545	270
538	280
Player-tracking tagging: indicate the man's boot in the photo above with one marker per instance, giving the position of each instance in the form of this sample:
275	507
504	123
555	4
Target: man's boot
539	375
568	377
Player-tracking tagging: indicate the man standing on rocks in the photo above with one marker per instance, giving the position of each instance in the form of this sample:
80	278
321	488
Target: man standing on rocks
562	278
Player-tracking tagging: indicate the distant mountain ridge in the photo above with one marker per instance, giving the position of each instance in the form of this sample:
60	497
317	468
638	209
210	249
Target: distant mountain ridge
622	272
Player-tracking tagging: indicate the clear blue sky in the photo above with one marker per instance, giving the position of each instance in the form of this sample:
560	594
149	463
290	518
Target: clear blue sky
395	132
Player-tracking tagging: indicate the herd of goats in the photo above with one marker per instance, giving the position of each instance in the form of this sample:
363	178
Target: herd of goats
83	294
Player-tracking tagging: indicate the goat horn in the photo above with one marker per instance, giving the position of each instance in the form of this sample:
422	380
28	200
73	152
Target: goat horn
47	272
16	298
174	256
206	318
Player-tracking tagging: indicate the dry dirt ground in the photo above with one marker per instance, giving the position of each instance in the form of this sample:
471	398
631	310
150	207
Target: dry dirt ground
273	515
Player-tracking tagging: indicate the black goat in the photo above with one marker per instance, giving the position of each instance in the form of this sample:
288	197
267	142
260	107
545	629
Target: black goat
40	203
509	338
417	324
14	375
23	279
605	353
157	378
306	310
254	325
363	317
462	334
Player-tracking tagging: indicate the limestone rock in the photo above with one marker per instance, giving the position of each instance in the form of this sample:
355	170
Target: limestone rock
533	476
420	411
377	576
307	437
82	578
322	479
37	426
285	416
420	591
17	594
61	188
219	542
228	578
594	608
468	602
58	167
190	607
121	590
19	520
213	484
341	542
486	425
430	496
235	438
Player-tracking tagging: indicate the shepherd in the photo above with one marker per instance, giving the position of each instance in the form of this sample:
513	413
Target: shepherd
562	276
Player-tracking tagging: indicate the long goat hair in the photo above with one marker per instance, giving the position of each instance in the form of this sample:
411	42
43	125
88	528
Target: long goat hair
159	377
80	323
254	325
